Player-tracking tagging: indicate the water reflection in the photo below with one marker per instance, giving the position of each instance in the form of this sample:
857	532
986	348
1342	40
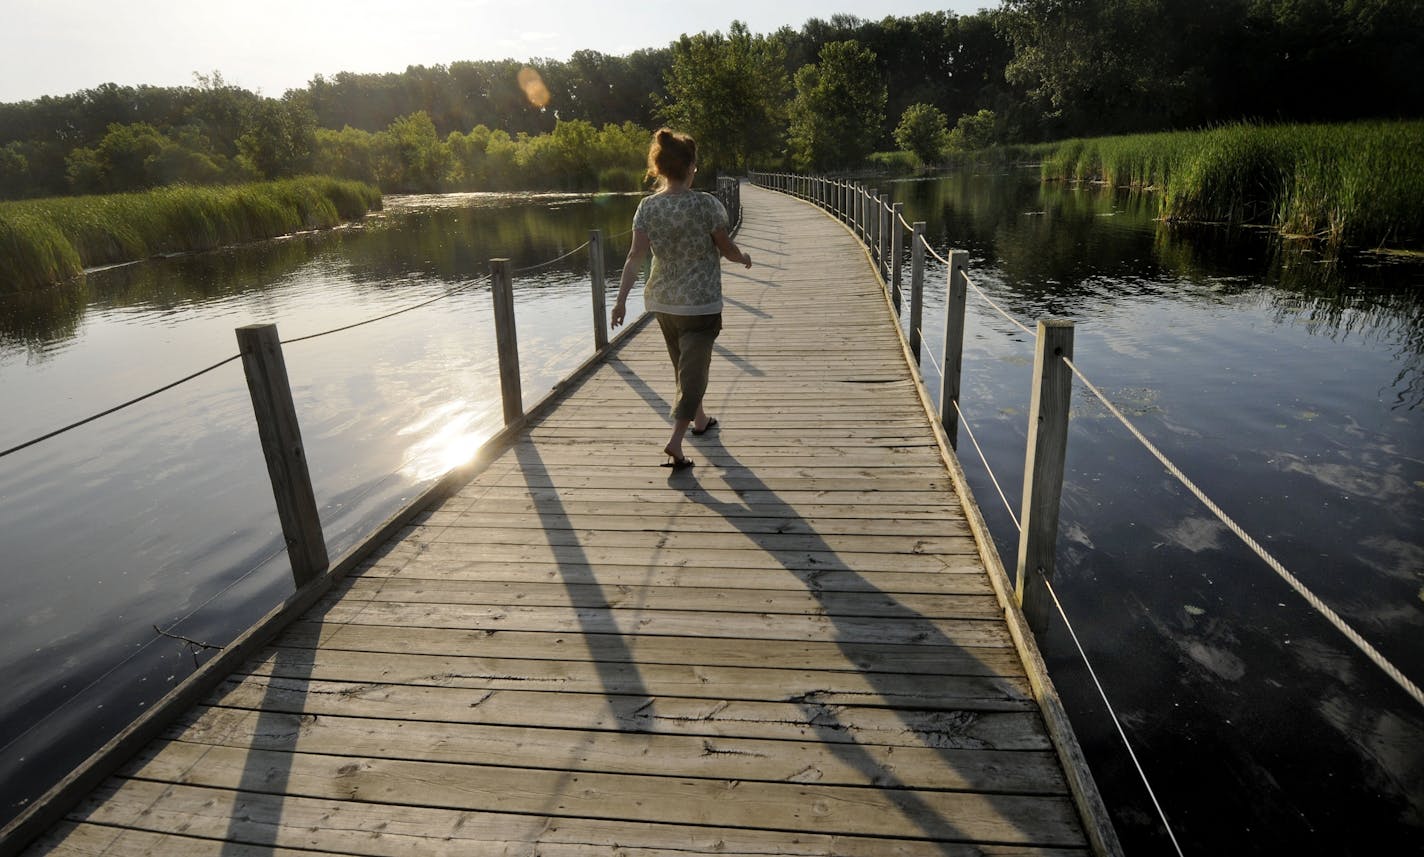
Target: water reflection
1288	386
444	438
1063	251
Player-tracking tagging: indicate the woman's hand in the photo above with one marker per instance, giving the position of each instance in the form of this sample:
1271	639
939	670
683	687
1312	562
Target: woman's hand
746	259
620	311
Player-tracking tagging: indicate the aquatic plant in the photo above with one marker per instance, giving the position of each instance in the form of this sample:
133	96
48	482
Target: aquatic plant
47	240
1359	183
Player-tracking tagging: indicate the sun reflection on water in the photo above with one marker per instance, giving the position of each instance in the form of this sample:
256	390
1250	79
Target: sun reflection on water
449	435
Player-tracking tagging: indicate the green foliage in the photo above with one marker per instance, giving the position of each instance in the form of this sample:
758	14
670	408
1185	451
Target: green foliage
408	157
46	240
1347	184
729	93
922	132
278	139
979	131
839	110
1103	66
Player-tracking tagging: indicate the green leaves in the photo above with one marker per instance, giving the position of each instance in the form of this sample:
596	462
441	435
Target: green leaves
839	110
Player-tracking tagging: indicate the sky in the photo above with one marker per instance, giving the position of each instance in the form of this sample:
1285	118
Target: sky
55	47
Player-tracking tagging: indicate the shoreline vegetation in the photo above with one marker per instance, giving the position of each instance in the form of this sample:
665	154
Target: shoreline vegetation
1357	184
45	241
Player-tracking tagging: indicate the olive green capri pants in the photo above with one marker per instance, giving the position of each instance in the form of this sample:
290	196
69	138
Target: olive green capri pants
689	341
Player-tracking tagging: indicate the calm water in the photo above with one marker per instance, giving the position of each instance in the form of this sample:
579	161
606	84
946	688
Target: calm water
1290	389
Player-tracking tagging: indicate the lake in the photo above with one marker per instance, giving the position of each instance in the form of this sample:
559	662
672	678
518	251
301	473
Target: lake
1287	385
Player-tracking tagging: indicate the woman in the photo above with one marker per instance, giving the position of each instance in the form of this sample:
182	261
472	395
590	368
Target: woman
687	235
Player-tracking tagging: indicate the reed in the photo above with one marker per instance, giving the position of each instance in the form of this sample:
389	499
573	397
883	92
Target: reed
44	241
1357	184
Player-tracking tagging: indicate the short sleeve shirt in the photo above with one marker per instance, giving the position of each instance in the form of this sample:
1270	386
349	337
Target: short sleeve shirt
687	267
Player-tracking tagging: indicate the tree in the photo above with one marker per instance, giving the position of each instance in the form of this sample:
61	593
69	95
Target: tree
729	93
279	139
422	157
839	109
922	131
972	132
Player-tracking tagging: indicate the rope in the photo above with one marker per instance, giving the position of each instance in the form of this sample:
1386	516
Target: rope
1116	722
439	297
988	469
904	223
116	408
990	301
292	341
929	354
1314	601
550	261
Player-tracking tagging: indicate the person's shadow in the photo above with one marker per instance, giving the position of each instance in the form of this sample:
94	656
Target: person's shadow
917	697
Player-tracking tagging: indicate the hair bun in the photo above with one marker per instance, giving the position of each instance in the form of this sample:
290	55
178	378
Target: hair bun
665	135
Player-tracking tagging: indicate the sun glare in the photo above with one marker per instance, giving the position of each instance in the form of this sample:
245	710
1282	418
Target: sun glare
450	435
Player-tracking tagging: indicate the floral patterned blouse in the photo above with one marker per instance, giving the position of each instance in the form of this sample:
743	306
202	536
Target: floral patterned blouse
687	268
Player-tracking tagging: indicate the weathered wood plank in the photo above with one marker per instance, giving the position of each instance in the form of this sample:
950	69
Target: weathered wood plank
1009	726
832	683
676	799
747	759
207	816
914	659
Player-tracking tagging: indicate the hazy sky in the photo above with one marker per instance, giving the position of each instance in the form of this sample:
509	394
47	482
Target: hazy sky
54	47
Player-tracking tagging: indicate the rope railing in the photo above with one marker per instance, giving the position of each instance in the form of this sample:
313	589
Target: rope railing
1294	582
198	374
1117	721
987	469
869	233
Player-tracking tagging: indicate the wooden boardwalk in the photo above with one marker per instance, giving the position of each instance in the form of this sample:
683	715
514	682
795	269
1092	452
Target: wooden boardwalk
792	648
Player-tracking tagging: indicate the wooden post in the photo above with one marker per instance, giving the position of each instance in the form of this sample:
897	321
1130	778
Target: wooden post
955	292
917	286
882	244
506	339
281	437
872	223
897	247
596	273
1043	469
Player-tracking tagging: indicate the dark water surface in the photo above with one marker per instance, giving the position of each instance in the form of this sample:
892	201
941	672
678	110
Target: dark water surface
1289	388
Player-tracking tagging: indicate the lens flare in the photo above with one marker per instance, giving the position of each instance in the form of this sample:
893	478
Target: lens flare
534	88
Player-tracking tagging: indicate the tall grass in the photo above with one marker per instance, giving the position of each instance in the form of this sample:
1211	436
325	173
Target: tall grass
47	240
1359	184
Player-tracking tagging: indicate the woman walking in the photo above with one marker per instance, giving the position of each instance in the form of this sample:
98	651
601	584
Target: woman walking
687	235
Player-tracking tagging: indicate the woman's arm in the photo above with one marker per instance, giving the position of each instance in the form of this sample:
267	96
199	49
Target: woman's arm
728	248
636	254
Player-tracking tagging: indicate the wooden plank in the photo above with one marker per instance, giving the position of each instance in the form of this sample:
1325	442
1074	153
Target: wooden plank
978	629
677	799
914	659
673	539
834	682
1009	726
746	759
205	816
631	597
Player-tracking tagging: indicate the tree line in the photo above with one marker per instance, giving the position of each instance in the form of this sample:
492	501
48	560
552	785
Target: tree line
825	96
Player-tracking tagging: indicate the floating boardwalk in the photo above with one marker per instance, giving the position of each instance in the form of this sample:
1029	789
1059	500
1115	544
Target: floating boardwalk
795	647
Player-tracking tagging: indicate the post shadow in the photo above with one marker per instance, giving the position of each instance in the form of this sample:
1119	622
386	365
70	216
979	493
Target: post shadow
255	819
